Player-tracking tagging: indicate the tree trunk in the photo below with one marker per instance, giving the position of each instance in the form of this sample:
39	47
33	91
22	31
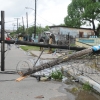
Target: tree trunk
96	33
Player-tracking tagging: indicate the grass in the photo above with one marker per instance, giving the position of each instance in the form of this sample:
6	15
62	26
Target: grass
87	87
56	75
35	48
29	48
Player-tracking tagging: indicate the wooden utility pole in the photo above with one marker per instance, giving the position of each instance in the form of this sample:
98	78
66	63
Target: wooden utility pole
17	24
23	25
35	22
57	61
2	41
27	21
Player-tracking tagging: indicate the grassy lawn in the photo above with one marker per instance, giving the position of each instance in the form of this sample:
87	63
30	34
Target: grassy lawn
35	48
29	48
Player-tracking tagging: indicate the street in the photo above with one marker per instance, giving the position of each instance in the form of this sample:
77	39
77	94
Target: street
29	88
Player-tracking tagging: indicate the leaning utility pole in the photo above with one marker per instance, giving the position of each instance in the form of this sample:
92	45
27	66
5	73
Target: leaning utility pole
24	72
35	22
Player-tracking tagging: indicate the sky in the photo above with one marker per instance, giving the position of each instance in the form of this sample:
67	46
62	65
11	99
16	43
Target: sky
49	12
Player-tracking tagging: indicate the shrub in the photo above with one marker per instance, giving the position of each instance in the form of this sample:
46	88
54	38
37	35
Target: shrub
57	75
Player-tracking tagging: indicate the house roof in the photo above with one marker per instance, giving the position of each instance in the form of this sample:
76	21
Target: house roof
70	27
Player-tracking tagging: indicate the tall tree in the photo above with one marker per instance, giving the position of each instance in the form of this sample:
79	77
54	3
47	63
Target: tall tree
82	11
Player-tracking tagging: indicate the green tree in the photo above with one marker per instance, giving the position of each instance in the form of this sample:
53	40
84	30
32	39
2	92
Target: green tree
46	28
82	11
21	30
12	34
30	31
39	30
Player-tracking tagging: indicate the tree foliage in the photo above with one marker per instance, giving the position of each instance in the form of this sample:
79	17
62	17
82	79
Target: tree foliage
30	30
82	11
21	30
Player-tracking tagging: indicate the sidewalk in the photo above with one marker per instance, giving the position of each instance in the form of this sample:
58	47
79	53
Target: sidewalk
13	56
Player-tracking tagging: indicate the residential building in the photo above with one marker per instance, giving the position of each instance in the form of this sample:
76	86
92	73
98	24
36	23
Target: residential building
75	32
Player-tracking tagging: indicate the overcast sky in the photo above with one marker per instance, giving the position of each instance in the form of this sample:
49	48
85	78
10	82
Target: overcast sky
49	12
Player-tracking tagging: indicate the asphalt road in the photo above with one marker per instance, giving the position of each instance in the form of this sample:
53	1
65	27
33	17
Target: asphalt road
29	88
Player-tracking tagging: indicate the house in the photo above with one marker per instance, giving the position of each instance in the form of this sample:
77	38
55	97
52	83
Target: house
75	32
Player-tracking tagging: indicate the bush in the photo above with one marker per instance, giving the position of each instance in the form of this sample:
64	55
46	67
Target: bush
57	75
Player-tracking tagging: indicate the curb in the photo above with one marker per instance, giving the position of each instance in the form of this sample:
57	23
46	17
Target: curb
93	84
83	79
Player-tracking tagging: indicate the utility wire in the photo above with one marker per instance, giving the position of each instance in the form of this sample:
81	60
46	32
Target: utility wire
10	21
45	20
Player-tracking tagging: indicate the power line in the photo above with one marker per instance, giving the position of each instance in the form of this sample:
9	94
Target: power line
39	15
9	21
45	19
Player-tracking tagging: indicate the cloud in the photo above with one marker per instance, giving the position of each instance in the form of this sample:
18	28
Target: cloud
49	12
54	12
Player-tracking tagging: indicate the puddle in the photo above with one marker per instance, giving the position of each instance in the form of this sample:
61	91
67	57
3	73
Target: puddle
80	94
85	95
